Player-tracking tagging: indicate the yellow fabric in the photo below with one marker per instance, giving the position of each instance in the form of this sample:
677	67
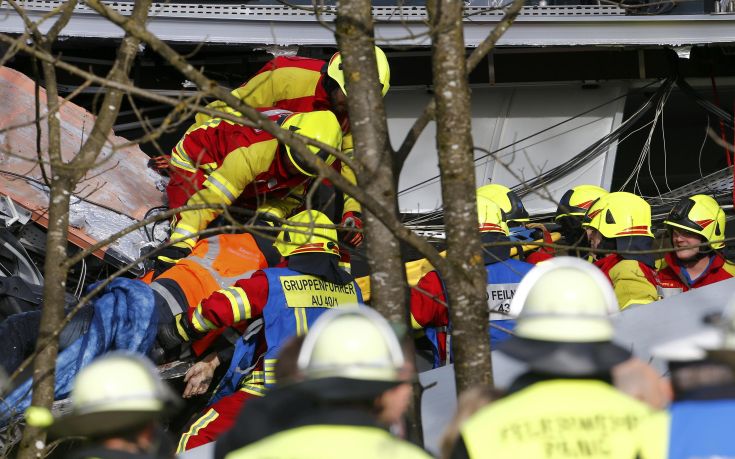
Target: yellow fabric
282	207
631	285
559	419
417	269
330	441
238	170
350	203
311	292
729	268
657	429
267	88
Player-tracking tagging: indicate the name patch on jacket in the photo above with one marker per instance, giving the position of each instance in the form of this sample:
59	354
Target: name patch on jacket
498	300
310	292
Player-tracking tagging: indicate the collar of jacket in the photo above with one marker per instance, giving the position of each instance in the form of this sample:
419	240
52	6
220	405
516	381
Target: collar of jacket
673	263
494	254
338	414
527	379
636	243
321	265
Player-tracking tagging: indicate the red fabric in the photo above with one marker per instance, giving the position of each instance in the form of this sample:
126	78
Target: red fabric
538	256
218	309
227	410
319	100
427	308
671	276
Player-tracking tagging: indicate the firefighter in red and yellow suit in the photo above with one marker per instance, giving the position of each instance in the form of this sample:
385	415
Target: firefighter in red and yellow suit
693	221
428	297
288	299
300	84
622	221
515	213
226	163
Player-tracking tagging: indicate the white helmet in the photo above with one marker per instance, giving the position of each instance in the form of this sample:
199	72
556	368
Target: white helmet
564	325
355	345
565	299
116	392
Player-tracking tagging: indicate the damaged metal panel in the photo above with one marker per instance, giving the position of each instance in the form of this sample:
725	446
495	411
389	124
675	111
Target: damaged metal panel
119	190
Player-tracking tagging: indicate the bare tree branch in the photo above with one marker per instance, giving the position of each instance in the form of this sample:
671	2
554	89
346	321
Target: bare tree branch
487	45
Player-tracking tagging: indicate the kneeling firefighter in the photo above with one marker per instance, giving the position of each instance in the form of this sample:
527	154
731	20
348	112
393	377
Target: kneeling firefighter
284	301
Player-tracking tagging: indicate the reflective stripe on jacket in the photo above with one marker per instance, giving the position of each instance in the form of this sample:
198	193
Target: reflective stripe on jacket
559	419
215	263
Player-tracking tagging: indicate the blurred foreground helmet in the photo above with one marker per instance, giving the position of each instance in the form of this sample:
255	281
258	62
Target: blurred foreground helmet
564	325
578	200
351	353
507	199
306	233
565	299
320	125
334	70
490	216
619	214
114	394
702	215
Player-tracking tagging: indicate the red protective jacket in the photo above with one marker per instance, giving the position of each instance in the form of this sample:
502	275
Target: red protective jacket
226	163
429	308
634	282
288	82
670	274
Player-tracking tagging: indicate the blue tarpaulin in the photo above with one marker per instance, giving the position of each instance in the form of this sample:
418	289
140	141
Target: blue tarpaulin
124	319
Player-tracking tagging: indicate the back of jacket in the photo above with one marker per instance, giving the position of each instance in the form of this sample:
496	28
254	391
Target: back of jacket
559	419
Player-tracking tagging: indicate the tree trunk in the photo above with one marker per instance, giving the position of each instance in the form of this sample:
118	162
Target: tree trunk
52	313
374	154
466	284
64	178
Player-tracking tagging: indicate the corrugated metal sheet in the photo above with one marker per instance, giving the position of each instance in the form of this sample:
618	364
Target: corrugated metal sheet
119	189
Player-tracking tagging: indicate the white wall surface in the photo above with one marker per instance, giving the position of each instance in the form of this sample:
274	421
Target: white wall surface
501	116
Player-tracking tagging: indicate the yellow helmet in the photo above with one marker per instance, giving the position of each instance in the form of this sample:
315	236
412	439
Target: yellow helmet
702	215
320	125
490	216
334	70
306	232
576	201
509	202
619	214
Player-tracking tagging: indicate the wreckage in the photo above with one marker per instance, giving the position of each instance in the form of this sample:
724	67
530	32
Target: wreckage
547	115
